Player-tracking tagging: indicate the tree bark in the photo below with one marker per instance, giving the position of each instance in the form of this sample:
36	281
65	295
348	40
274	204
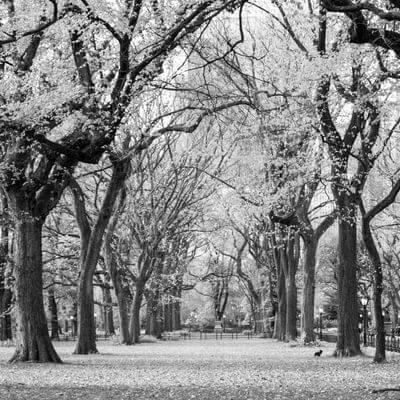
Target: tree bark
108	312
280	317
134	325
52	306
86	343
307	314
33	341
348	340
292	257
5	318
5	291
395	310
123	295
291	306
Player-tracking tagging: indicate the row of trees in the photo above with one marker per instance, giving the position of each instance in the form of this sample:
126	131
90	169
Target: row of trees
345	127
303	109
72	75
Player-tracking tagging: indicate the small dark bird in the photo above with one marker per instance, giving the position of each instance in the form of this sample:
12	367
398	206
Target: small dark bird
318	353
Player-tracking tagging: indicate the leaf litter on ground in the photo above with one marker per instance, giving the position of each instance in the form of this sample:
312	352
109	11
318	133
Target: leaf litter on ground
193	369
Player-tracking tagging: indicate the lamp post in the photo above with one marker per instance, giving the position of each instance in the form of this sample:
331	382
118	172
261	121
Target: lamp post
320	323
223	322
72	326
364	302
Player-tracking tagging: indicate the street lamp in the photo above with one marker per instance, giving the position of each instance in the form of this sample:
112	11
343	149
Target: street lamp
72	325
223	322
364	302
320	322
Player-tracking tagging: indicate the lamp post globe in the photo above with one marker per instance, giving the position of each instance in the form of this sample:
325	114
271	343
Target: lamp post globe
364	302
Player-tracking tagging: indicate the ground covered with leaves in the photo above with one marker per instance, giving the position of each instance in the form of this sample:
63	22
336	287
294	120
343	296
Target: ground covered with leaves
194	369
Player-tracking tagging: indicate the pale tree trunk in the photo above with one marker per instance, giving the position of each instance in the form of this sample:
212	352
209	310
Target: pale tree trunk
258	316
373	314
123	295
348	340
33	341
52	306
108	312
395	310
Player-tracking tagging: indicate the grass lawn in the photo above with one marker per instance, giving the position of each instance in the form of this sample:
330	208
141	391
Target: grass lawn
193	369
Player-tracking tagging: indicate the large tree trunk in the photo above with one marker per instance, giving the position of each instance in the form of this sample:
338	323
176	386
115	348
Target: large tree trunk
33	341
307	314
123	295
86	343
280	317
348	340
52	306
134	325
